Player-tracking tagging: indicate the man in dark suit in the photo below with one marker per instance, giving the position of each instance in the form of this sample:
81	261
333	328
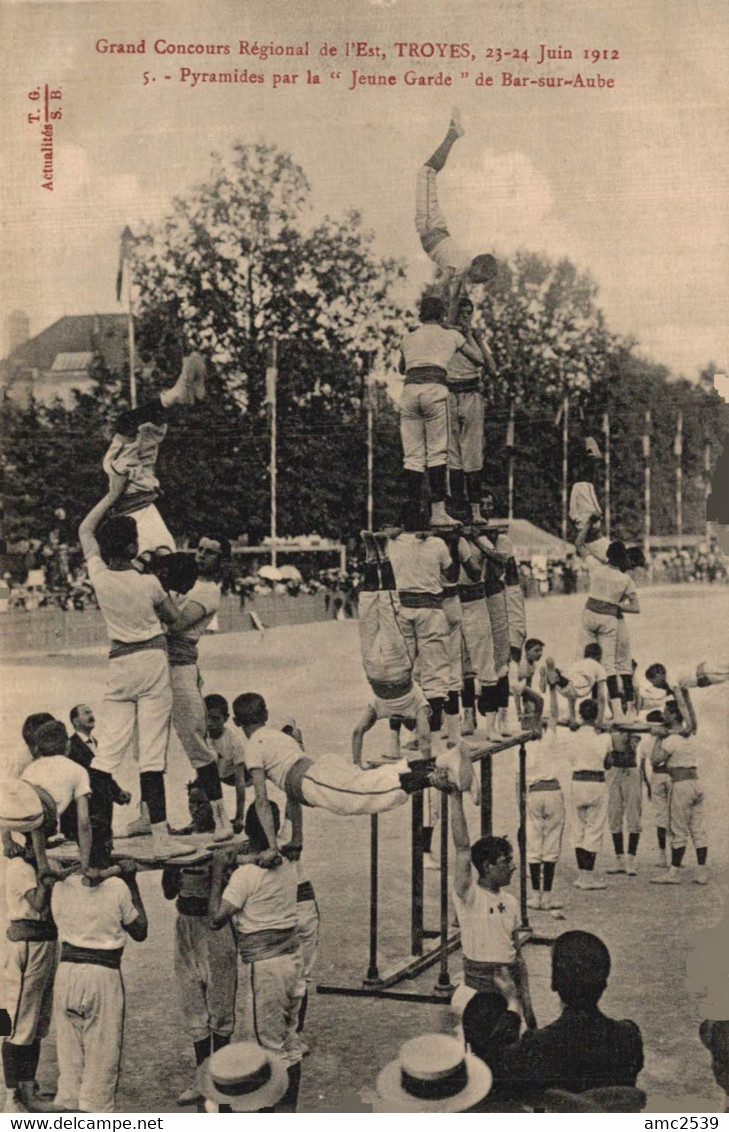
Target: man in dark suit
82	750
583	1049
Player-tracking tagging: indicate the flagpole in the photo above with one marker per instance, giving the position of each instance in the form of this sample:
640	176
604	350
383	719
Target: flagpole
271	393
678	451
565	453
370	443
647	486
510	450
130	332
606	432
707	478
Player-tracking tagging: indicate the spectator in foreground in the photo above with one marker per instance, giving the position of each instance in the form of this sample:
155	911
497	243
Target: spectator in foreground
583	1049
715	1036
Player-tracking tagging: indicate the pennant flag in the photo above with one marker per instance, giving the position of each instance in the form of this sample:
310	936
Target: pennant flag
128	240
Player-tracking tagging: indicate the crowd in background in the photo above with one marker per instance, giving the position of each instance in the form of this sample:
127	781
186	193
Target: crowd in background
49	572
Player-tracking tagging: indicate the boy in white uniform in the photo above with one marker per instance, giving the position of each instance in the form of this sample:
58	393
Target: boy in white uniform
612	595
59	781
456	267
545	814
262	903
137	706
589	800
659	787
579	680
422	567
678	751
205	961
196	610
133	455
386	657
488	918
230	751
31	953
624	799
330	782
426	353
93	923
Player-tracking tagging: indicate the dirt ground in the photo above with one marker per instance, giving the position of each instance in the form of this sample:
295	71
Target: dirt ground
313	672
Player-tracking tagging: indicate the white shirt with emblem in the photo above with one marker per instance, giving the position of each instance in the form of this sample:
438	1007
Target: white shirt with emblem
488	921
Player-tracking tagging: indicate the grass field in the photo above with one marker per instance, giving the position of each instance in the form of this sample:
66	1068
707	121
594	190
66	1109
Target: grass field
313	672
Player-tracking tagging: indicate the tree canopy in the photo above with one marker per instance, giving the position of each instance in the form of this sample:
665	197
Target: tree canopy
236	264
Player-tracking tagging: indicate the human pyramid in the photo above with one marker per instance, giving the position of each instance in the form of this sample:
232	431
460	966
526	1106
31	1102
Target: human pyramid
443	639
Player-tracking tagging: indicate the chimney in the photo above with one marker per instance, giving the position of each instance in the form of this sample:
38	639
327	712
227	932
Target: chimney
17	330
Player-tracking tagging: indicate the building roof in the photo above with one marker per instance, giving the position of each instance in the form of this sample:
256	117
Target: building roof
66	349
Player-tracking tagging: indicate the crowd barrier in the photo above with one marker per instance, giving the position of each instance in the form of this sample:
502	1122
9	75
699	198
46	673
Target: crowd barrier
52	630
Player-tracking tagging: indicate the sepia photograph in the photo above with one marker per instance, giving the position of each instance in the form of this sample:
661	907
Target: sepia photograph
364	429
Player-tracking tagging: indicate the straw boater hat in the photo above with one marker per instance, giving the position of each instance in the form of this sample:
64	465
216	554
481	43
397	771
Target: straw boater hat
432	1073
21	808
244	1076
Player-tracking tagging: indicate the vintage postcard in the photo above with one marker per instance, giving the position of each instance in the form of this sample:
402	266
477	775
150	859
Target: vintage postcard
363	639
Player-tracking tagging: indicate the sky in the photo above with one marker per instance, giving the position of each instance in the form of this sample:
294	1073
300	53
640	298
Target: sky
631	182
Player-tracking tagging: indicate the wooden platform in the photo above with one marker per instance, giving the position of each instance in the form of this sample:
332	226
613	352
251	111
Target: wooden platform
139	849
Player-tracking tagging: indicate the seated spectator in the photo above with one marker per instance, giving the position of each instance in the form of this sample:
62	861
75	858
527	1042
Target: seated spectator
715	1036
582	1049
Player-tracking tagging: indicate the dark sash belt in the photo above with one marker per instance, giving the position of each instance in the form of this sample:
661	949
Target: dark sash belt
426	375
682	773
410	599
588	776
267	944
390	690
595	605
95	956
126	648
31	931
304	891
469	386
544	784
450	591
473	591
196	906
